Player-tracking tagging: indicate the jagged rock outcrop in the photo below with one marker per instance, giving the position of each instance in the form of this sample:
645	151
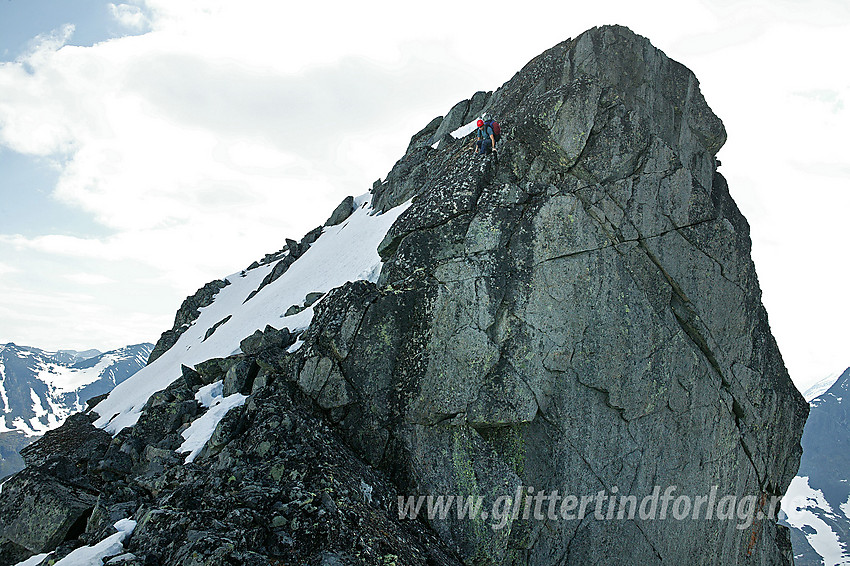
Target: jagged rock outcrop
274	482
50	501
579	313
186	314
341	212
293	251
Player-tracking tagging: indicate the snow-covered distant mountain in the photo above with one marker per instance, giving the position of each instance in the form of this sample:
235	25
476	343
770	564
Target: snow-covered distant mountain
817	503
39	389
820	387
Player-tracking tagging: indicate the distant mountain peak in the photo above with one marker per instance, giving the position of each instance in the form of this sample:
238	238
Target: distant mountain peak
39	389
818	502
831	388
843	380
824	384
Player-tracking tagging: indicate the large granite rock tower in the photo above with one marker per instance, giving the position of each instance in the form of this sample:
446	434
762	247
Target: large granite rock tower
578	314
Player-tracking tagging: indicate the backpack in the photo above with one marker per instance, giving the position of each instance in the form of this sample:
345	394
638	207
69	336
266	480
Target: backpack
497	129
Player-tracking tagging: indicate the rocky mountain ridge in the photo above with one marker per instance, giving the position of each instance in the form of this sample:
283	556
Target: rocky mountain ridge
576	313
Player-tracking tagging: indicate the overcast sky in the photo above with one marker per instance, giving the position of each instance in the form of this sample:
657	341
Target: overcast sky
149	147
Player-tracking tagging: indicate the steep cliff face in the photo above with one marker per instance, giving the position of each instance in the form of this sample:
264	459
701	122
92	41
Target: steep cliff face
579	314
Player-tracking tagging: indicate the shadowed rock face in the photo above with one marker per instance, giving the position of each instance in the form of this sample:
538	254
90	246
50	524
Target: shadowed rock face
580	314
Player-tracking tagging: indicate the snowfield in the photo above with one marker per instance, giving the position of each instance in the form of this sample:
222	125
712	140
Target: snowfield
202	428
346	252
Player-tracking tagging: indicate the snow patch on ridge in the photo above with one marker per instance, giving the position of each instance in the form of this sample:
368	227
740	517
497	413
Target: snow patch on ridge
820	387
37	407
95	554
3	396
34	560
63	379
799	498
23	426
465	130
202	428
208	394
345	252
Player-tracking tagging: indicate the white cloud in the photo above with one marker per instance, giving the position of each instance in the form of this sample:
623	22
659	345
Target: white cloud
89	279
225	127
6	269
55	318
129	15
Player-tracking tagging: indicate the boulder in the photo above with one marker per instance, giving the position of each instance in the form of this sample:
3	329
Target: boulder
423	136
37	512
453	120
341	212
240	377
67	451
189	311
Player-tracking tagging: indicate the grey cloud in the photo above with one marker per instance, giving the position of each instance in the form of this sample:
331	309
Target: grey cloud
304	113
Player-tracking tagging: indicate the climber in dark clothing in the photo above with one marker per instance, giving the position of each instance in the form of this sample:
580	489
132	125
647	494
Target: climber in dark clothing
486	142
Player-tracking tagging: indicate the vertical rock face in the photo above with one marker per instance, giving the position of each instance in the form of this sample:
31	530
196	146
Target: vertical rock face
577	317
580	314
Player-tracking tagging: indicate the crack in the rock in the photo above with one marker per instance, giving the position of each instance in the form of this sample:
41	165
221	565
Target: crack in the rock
587	139
530	388
712	258
649	542
617	241
565	437
608	403
689	319
684	313
566	553
579	343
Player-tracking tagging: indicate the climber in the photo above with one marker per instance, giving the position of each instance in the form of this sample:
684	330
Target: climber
486	139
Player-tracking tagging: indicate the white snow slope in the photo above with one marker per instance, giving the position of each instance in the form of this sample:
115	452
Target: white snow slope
799	504
346	252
